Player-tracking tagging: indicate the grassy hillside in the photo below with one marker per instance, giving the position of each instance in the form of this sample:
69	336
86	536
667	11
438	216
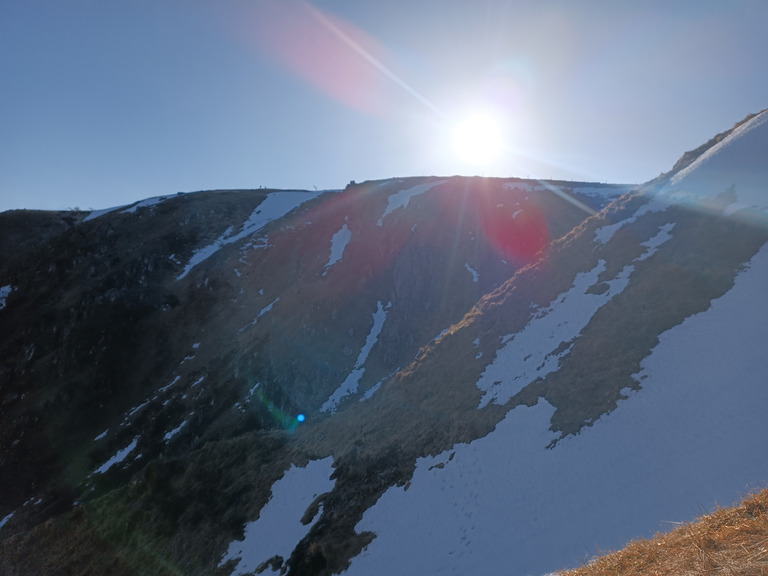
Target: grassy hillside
730	541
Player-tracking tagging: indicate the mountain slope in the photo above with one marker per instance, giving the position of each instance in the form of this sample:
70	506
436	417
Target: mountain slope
409	376
160	327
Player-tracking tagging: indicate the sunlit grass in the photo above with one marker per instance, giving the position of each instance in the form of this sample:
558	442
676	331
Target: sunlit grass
730	541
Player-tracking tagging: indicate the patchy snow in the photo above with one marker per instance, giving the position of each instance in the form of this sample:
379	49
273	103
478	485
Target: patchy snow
172	433
654	243
274	206
198	381
118	457
737	162
5	291
164	388
96	213
339	242
268	307
371	391
443	332
146	203
349	386
135	409
689	440
4	521
403	197
102	435
605	233
475	275
536	350
278	529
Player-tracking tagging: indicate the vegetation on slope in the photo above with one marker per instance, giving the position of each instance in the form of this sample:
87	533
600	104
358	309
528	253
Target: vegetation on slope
730	541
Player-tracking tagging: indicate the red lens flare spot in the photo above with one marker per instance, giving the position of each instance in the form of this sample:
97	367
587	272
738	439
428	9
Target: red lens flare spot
325	51
514	224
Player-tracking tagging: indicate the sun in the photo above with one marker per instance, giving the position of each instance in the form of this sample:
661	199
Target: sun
477	139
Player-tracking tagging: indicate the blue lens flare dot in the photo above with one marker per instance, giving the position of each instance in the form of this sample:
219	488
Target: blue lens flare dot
300	418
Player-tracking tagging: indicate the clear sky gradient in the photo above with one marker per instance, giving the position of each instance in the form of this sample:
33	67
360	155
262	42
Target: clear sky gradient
103	103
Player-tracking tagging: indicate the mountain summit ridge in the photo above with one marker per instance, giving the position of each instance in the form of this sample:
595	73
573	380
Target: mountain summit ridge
174	364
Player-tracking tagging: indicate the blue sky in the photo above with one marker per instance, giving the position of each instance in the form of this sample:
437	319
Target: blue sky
105	102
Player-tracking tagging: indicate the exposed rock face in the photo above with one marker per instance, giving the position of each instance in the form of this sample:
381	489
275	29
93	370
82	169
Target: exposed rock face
163	365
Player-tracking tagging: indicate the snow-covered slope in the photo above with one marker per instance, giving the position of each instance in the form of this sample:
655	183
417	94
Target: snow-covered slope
694	436
736	166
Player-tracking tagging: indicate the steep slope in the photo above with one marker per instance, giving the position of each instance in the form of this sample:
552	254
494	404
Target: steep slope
650	309
144	332
410	376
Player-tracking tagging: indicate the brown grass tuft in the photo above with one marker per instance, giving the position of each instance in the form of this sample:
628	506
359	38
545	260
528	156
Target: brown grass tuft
728	542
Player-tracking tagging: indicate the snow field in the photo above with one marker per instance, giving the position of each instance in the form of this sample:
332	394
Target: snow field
692	438
737	162
278	529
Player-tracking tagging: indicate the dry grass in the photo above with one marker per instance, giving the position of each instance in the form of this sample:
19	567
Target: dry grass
728	542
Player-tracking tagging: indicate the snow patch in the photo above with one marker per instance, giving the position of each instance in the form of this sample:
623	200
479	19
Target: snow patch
172	433
4	521
274	206
278	529
96	213
198	381
402	198
475	275
268	307
443	332
164	388
654	243
371	391
5	291
118	457
349	386
146	203
605	233
339	242
135	409
102	435
536	350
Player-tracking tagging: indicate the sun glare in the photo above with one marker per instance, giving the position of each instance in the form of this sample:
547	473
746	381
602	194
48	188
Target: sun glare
477	139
